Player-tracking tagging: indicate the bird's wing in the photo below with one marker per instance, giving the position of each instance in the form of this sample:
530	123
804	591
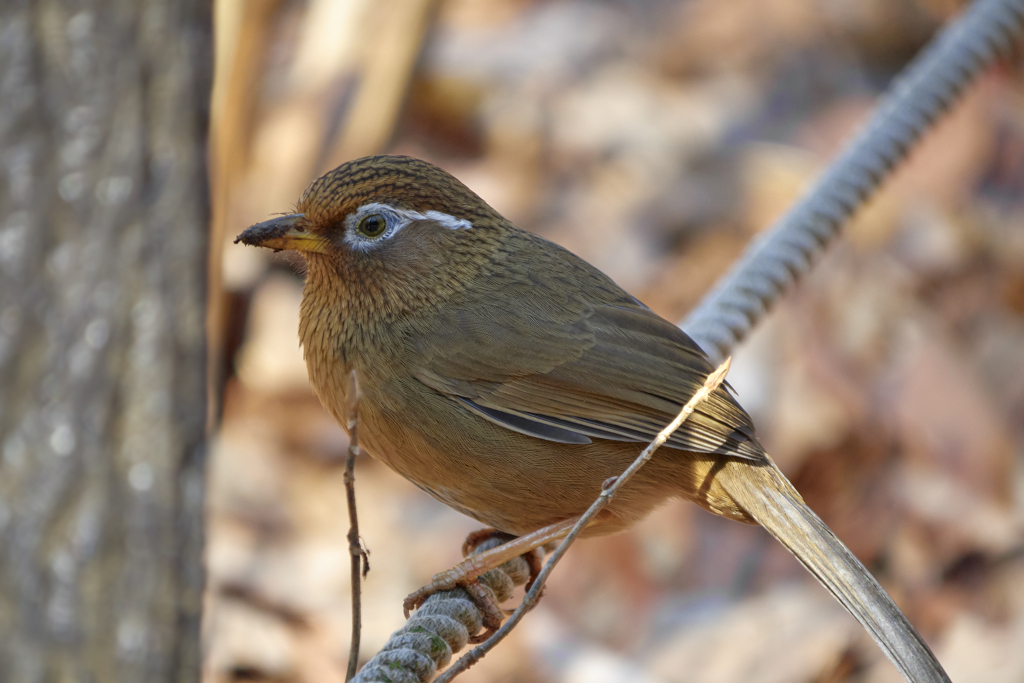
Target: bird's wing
613	371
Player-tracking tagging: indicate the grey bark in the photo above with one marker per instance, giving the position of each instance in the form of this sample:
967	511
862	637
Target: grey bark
103	242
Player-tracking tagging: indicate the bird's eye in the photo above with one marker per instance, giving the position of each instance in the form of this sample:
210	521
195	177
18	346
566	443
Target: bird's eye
373	225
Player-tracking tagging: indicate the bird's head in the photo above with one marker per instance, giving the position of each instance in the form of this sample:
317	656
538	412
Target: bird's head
373	209
387	234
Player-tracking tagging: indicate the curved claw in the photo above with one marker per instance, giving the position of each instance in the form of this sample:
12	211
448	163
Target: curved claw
535	561
445	581
491	613
412	602
465	575
479	595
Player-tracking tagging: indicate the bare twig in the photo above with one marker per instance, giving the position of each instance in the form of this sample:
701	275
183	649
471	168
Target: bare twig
609	490
360	563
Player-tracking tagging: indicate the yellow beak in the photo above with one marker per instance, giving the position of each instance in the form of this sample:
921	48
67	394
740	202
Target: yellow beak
283	232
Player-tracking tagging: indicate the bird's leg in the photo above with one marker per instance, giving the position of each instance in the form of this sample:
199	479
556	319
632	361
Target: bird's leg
534	558
535	562
465	574
475	538
484	599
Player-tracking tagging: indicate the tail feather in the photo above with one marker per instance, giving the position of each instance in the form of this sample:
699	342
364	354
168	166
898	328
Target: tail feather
767	496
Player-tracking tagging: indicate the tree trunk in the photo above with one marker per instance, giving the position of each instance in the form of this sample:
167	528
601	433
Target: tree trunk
103	243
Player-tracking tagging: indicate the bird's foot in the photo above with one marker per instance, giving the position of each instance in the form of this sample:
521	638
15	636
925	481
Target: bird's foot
466	575
476	538
468	579
534	557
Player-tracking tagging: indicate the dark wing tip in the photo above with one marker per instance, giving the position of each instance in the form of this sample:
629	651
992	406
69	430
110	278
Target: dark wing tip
524	425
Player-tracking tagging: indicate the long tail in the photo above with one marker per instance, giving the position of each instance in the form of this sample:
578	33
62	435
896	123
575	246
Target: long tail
767	496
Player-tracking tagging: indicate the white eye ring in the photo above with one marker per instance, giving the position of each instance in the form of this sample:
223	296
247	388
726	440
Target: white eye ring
396	219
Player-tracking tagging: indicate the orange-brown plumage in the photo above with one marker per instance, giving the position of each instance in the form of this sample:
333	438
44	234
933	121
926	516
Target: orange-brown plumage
510	379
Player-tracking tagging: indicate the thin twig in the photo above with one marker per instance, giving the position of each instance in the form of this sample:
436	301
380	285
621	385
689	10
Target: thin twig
608	491
360	563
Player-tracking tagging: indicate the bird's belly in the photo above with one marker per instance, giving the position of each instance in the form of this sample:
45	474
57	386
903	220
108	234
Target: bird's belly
510	481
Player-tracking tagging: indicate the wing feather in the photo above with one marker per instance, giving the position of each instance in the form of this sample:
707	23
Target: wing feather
612	370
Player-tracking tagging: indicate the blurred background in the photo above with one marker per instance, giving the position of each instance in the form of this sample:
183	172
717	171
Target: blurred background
653	139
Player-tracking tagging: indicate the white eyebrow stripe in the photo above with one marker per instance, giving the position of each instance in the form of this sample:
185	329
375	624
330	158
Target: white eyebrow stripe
450	222
447	220
397	219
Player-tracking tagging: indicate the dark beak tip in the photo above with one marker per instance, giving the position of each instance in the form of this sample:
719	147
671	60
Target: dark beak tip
247	238
258	234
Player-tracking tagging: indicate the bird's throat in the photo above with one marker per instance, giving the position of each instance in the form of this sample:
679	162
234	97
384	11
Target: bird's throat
353	312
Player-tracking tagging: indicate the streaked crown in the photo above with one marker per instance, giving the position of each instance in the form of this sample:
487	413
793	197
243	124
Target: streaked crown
398	181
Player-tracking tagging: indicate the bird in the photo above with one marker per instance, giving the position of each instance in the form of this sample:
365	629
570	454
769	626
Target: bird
509	378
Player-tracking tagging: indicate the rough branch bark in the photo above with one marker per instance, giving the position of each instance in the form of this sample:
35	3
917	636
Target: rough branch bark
103	223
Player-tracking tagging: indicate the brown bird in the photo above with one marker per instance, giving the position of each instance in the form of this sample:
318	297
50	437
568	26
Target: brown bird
509	378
